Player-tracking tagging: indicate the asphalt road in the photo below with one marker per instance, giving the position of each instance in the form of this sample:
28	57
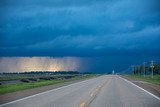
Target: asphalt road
103	91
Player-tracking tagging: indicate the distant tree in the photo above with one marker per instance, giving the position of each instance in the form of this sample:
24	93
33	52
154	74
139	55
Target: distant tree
156	69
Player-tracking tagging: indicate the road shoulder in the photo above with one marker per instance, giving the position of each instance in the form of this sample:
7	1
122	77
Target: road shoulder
152	88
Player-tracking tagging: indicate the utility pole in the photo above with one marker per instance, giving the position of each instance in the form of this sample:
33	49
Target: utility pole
139	71
144	68
132	67
152	67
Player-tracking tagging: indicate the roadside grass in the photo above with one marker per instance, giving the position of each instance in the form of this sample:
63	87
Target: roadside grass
22	86
147	78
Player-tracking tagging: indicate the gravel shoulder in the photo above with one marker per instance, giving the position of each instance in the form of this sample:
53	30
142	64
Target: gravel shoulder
153	88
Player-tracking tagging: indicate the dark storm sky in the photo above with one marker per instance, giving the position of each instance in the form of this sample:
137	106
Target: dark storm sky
105	32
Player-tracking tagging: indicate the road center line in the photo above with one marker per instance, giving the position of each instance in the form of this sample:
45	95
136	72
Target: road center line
82	104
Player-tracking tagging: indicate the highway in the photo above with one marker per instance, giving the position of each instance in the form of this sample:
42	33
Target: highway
103	91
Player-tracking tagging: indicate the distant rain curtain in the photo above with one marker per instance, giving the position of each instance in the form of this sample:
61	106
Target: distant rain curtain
21	64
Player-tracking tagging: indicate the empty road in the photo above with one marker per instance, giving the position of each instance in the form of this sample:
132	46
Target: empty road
103	91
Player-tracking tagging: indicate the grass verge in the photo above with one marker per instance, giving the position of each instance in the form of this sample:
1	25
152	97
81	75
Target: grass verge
22	86
147	78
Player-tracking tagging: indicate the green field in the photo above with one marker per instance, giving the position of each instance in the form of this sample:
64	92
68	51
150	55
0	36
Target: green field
147	78
22	86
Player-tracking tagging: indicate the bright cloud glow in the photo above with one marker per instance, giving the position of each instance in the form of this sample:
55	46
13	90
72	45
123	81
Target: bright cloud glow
18	64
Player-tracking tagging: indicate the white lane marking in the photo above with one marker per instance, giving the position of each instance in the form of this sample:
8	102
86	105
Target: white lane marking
141	88
45	92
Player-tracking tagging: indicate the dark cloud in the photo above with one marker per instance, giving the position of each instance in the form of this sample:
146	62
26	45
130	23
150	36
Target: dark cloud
79	28
55	3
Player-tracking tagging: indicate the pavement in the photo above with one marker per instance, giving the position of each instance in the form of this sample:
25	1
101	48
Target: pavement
5	98
103	91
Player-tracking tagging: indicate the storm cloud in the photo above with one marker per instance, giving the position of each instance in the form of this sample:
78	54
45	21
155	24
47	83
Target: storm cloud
85	28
